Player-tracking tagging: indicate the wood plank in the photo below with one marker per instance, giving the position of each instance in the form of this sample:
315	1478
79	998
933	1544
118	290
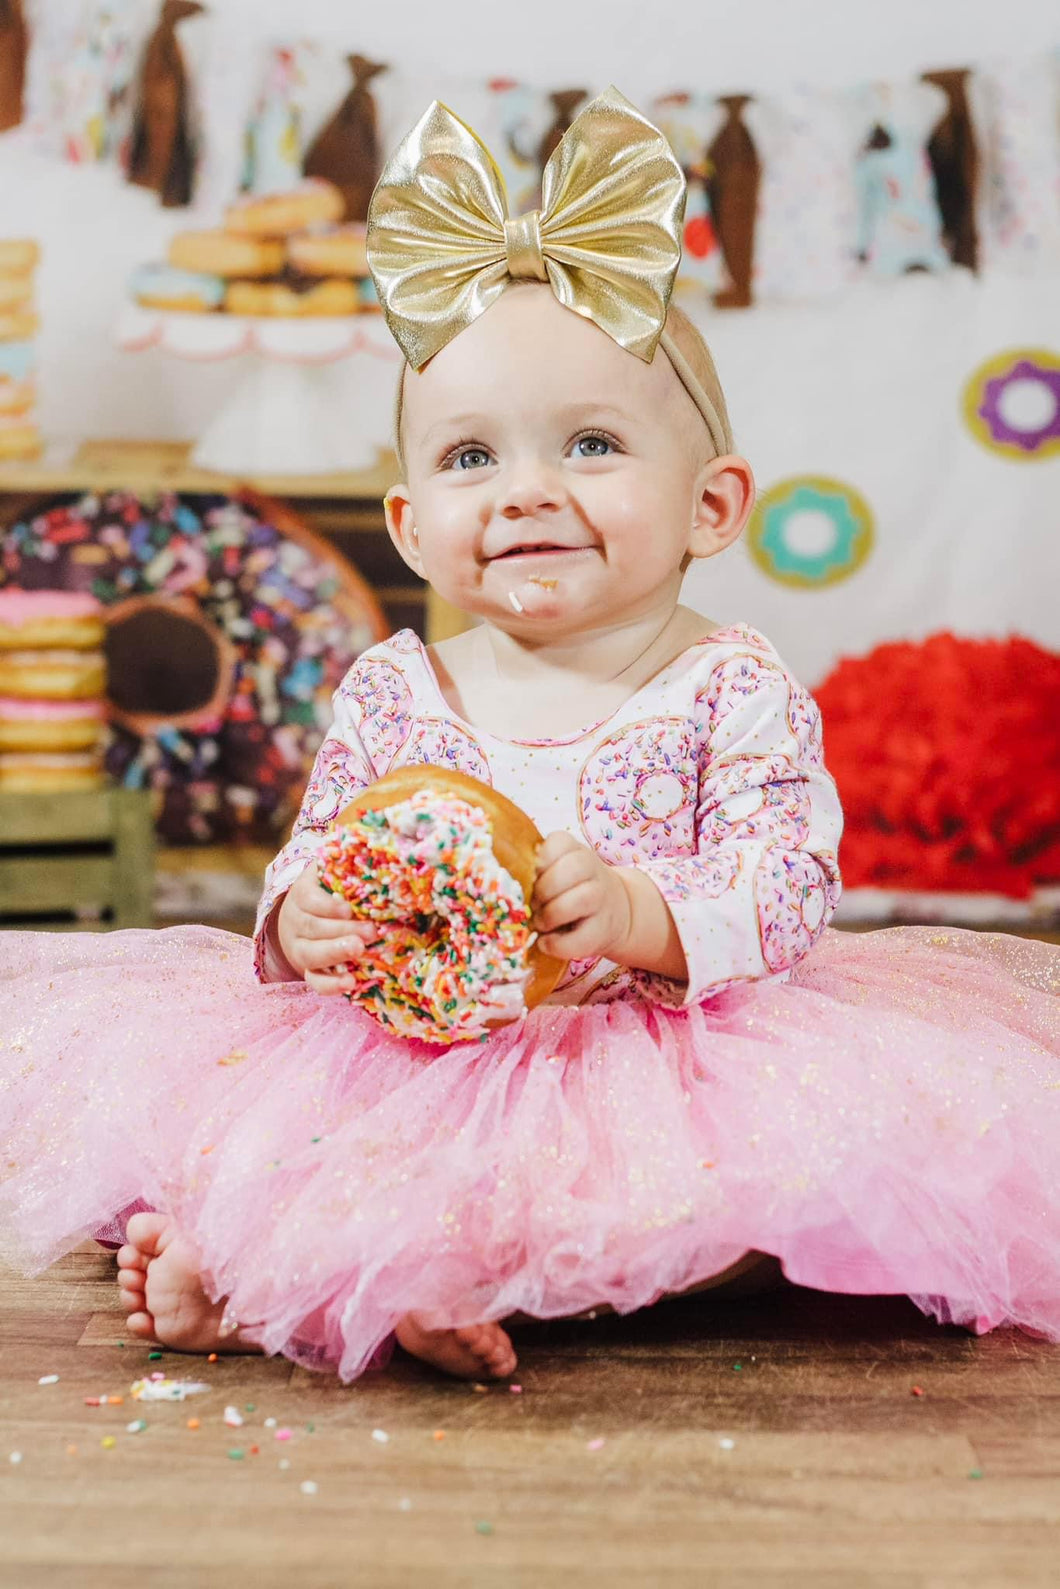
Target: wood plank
75	817
836	1478
55	882
134	850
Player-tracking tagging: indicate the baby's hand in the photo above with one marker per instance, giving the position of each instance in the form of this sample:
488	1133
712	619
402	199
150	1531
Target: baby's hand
317	934
582	907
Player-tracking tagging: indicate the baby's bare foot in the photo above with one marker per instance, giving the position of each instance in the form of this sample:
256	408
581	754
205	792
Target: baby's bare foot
159	1285
479	1351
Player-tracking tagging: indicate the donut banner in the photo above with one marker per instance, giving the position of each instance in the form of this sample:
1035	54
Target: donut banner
229	627
902	555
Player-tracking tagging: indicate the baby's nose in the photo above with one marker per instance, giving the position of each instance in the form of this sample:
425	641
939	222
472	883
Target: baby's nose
531	488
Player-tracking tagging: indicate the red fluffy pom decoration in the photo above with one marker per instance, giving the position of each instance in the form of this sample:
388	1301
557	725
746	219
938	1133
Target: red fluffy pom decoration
947	757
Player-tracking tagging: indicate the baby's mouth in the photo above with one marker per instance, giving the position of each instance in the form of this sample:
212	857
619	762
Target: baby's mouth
521	553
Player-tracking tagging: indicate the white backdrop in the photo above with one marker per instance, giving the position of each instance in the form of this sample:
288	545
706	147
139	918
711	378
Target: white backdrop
864	388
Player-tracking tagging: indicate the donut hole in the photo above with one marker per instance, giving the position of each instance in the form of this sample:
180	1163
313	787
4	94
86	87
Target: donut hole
167	664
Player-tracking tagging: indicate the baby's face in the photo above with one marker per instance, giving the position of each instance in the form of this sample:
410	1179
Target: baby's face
551	475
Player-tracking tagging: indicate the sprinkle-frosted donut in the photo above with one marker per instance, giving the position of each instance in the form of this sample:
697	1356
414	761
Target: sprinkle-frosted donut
439	742
637	792
339	773
382	701
791	897
447	867
270	616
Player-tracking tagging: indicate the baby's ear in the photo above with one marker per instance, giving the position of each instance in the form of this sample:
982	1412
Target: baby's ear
724	497
397	509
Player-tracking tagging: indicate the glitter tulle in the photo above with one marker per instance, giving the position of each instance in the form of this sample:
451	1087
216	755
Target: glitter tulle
888	1120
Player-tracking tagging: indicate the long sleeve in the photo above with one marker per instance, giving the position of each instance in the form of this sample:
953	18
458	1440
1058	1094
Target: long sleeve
765	878
342	768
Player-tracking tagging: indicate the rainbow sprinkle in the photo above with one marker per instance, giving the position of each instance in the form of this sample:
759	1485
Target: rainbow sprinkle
453	957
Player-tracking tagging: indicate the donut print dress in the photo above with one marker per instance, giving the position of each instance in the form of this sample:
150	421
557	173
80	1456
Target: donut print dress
881	1111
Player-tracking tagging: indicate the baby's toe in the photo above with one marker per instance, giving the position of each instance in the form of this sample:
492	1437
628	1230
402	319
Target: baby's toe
141	1324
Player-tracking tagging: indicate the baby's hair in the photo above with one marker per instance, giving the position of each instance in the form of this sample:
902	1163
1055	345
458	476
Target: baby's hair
690	345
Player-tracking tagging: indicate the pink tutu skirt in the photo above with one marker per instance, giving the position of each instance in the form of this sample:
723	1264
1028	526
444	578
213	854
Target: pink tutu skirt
888	1120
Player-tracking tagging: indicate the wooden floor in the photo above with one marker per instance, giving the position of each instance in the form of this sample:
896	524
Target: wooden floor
774	1441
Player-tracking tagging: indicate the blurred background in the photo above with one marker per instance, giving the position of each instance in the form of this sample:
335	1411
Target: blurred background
872	250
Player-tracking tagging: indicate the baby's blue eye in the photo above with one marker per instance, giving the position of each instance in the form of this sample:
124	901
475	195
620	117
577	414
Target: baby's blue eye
478	457
598	446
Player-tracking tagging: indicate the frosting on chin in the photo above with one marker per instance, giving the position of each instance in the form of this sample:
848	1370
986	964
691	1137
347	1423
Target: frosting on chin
455	929
15	710
26	606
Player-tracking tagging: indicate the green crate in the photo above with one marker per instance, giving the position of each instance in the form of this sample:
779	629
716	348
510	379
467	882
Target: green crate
82	853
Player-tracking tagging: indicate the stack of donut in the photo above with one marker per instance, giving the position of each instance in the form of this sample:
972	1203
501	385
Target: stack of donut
19	436
52	683
277	254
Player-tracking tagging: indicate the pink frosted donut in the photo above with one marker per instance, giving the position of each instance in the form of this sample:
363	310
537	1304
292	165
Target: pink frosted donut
790	901
774	805
29	725
804	720
440	743
637	792
382	700
49	620
339	773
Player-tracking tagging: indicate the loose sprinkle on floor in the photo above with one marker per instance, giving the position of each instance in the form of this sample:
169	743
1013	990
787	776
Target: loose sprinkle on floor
15	1458
48	1379
726	1444
237	1454
483	1528
380	1435
137	1426
975	1473
309	1487
439	1434
917	1390
108	1442
158	1388
516	1390
594	1445
233	1418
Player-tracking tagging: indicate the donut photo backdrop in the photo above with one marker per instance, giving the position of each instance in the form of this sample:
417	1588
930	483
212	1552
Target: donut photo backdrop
229	625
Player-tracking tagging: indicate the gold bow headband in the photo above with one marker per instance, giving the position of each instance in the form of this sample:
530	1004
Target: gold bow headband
441	246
